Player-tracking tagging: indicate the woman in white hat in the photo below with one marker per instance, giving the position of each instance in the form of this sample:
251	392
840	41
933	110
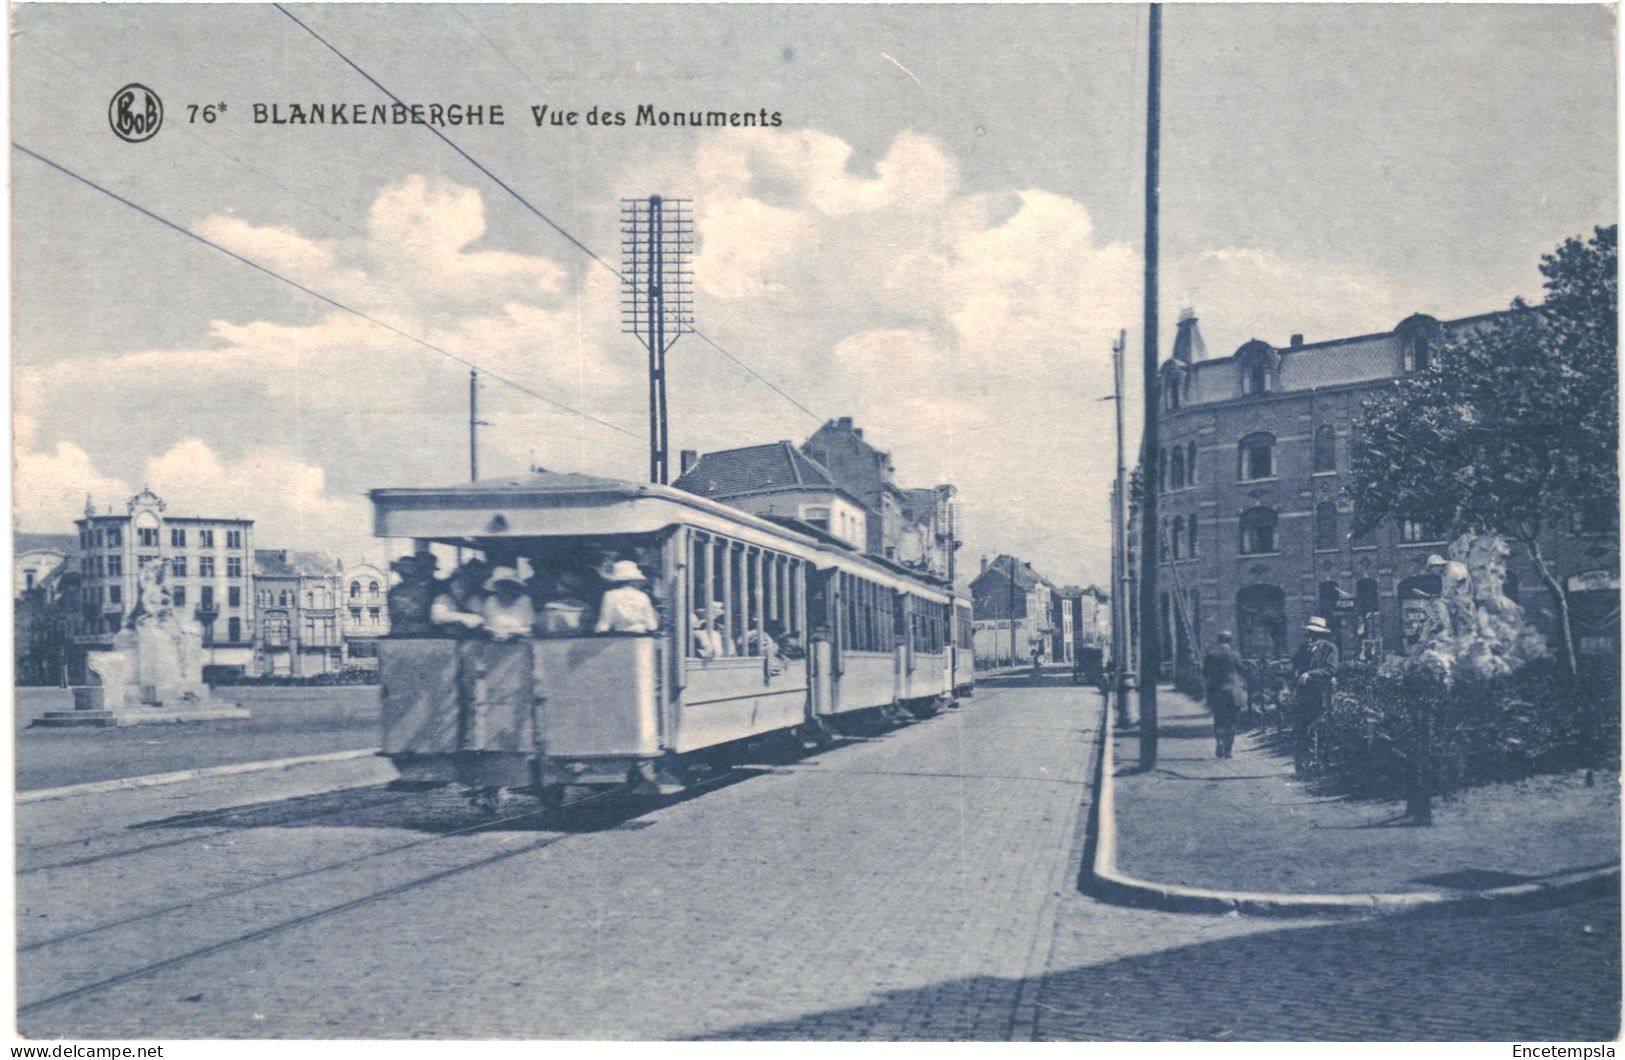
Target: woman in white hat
507	611
625	607
708	642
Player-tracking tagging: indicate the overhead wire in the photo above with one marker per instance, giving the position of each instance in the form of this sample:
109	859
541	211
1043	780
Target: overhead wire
335	303
532	208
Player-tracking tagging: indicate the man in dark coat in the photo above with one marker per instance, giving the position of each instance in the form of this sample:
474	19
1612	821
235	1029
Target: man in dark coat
1222	683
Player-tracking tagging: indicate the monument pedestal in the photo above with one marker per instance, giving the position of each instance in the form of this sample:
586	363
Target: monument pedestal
153	674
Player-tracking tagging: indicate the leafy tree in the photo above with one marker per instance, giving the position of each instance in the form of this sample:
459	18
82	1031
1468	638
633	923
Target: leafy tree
1514	425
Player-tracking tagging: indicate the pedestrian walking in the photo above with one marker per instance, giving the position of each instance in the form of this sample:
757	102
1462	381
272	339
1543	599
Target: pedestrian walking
1222	683
1316	663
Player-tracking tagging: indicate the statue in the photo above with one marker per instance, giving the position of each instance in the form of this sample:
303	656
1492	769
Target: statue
1472	626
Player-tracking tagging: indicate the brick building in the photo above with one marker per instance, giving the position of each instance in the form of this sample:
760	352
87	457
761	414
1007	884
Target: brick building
299	632
1011	605
1253	454
779	480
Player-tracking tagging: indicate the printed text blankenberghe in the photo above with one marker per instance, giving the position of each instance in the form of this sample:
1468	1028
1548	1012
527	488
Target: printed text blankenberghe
456	114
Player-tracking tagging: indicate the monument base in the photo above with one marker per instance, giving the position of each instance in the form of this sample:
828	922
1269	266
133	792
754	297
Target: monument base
90	710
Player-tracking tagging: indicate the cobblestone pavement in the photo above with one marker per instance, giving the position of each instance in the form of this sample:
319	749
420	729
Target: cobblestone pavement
918	884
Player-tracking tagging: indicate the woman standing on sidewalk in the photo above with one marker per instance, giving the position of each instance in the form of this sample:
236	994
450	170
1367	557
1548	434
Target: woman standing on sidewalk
1222	684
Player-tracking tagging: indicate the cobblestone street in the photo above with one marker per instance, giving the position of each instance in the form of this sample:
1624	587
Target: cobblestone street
919	883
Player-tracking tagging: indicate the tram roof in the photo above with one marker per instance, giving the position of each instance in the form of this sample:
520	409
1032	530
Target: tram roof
507	507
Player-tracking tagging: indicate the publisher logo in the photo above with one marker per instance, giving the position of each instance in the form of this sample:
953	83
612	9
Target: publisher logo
135	113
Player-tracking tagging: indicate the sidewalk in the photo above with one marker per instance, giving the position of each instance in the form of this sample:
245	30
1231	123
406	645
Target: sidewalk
1248	824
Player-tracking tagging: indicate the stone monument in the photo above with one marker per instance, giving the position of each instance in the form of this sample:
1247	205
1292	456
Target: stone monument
154	671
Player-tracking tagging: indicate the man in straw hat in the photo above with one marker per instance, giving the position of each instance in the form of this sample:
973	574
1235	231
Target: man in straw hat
1317	669
409	600
626	608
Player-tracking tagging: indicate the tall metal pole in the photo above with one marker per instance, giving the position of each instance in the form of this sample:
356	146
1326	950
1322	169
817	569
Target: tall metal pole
1013	611
473	426
656	341
1150	639
1119	587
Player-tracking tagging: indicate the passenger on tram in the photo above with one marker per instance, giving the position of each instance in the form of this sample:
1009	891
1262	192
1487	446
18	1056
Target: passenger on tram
507	611
626	608
788	644
457	610
410	599
560	598
708	642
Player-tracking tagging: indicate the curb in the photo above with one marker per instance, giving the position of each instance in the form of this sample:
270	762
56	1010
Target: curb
153	780
1103	881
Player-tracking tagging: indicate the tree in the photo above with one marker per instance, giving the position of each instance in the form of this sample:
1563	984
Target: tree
1514	425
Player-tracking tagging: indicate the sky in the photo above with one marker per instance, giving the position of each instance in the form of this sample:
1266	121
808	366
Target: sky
941	239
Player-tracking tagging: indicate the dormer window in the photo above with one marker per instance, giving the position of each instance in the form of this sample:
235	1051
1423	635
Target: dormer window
1257	363
1419	338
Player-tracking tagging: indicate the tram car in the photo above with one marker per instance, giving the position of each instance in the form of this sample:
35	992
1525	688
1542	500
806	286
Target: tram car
765	626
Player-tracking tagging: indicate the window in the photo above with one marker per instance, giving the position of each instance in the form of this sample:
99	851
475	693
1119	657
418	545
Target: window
1176	470
147	536
1162	543
374	615
115	537
205	598
1255	376
177	538
736	593
1192	534
355	589
1177	536
177	596
205	566
1365	540
115	594
177	566
234	598
1416	531
98	538
205	538
1325	448
1326	526
234	566
1190	464
1256	457
363	649
818	517
234	539
1257	531
372	588
115	566
282	599
234	629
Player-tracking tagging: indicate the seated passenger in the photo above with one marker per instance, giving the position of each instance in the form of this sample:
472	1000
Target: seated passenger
508	612
626	608
707	640
457	610
789	646
409	600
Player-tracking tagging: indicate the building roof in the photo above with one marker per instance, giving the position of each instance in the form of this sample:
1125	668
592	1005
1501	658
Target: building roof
64	543
1025	577
287	563
755	469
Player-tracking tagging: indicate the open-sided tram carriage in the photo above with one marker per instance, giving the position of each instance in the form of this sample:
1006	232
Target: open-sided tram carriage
765	626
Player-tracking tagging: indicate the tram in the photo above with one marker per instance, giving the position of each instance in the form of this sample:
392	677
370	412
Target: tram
765	626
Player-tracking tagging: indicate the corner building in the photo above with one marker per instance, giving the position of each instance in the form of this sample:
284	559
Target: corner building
1253	455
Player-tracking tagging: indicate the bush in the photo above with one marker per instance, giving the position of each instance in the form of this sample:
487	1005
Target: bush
350	676
1536	719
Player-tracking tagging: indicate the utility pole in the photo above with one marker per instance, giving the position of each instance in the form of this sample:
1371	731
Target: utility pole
657	237
1150	637
1013	611
473	426
1119	588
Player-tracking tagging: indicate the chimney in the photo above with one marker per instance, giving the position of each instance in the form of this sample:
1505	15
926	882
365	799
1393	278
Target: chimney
686	461
1297	340
844	421
984	563
857	431
1188	345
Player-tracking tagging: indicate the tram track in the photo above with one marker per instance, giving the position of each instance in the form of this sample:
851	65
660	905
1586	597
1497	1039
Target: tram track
192	837
328	911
